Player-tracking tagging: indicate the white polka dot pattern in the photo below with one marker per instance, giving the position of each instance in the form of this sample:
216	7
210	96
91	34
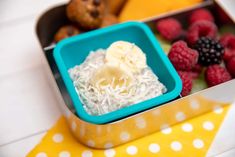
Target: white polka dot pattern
109	152
154	148
108	145
64	154
41	154
198	143
124	136
165	129
207	125
218	110
180	116
73	126
131	150
91	143
176	146
87	153
58	138
187	127
194	104
140	123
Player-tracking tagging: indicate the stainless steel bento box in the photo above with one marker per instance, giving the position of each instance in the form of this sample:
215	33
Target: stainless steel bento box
138	125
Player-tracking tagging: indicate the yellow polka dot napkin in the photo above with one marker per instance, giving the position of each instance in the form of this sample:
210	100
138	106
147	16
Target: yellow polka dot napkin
190	138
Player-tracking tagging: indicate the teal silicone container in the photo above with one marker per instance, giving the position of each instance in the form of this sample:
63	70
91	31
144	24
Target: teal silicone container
73	51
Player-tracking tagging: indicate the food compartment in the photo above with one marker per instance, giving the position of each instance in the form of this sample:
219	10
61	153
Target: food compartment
140	124
74	50
209	24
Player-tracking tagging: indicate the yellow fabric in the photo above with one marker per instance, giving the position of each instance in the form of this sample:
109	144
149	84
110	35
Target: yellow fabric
190	138
139	9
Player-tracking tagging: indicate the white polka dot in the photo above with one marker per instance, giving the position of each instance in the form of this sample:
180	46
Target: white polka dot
124	136
91	143
154	148
187	127
180	116
41	154
156	112
131	150
64	154
207	125
140	122
73	126
194	104
218	109
165	129
176	146
87	153
108	145
109	152
57	138
198	143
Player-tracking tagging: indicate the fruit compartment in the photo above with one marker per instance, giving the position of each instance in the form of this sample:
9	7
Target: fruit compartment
199	74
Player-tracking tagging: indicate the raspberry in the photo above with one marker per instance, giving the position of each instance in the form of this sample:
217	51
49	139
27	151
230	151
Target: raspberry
216	74
169	28
201	29
228	54
201	14
197	68
196	71
210	51
230	65
193	75
187	83
228	41
182	57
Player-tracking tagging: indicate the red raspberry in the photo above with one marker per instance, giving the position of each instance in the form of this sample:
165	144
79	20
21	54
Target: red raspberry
216	74
169	28
228	41
196	71
198	68
228	54
183	57
187	83
230	65
201	29
201	14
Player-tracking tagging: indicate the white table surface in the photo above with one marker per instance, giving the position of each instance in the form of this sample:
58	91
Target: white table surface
28	105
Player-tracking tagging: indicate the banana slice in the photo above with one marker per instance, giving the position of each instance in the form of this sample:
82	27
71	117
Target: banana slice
127	56
111	76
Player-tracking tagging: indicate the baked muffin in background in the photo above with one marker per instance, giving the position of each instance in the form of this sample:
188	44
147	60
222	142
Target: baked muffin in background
65	32
87	14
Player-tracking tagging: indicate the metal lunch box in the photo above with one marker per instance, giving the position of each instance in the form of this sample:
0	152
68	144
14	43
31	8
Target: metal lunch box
130	128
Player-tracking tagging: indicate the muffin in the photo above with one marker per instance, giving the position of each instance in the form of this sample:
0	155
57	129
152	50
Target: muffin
88	14
65	32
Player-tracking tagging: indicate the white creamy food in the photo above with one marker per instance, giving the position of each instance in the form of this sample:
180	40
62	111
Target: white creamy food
119	77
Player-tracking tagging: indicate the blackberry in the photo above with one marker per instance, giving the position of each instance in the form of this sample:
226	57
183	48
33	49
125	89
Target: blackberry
210	51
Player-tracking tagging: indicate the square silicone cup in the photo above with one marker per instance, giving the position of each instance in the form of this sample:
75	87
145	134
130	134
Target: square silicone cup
74	50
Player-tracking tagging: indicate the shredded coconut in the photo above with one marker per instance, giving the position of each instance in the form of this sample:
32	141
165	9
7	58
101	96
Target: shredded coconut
96	102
